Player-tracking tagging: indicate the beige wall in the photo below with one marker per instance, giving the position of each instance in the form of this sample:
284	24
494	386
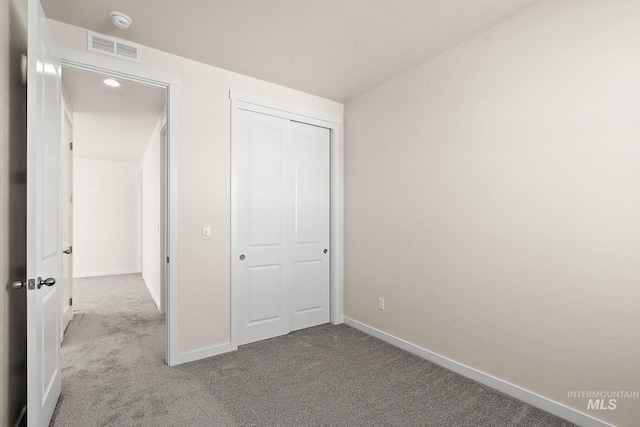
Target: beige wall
492	197
204	182
13	149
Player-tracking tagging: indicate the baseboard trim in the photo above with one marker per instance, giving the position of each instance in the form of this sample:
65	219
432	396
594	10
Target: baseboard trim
22	419
520	393
67	317
155	299
68	311
203	353
105	273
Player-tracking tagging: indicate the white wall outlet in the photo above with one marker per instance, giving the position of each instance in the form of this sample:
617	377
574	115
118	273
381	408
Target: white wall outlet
381	303
206	233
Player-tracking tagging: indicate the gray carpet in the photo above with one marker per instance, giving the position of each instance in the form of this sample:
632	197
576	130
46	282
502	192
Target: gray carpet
114	375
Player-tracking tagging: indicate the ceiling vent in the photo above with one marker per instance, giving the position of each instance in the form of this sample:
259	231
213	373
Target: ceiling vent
113	47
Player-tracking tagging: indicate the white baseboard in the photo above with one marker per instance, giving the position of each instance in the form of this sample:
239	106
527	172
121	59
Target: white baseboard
105	273
203	353
154	297
67	312
67	317
21	421
527	396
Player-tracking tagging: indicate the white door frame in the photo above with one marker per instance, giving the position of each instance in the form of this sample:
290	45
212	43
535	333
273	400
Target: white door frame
260	105
67	313
134	72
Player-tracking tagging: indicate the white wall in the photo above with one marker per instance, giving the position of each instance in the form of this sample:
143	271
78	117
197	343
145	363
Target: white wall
492	197
204	135
152	221
106	217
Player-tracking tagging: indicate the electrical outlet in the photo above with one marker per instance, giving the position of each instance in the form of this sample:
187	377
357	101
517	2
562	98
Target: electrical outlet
381	303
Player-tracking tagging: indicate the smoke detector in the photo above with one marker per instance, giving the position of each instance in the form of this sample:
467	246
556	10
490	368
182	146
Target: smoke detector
120	19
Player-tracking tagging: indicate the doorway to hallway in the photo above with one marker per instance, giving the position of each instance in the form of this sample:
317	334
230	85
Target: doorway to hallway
117	180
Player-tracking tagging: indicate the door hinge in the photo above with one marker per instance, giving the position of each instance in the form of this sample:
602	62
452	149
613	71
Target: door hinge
167	260
71	146
31	284
70	301
71	198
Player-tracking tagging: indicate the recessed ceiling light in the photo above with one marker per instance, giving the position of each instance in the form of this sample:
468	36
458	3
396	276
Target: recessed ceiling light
120	19
111	82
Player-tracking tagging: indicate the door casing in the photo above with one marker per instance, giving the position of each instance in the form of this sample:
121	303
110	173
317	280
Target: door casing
66	282
70	58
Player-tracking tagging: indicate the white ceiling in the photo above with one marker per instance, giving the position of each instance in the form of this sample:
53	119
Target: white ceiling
336	49
111	123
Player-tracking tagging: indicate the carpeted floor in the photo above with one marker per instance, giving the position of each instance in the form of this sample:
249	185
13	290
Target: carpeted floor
114	375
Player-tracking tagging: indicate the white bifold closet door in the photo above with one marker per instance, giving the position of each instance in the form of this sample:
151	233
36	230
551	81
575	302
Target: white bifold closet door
281	261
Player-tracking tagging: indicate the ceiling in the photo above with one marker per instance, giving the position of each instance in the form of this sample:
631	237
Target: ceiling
111	123
336	49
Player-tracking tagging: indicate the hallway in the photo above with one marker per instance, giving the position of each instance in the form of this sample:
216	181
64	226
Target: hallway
113	369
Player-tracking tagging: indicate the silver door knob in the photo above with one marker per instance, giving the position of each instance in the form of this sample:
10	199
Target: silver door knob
47	282
241	257
18	284
325	251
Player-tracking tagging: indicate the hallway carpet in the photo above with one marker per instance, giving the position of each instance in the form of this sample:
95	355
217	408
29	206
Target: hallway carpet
113	374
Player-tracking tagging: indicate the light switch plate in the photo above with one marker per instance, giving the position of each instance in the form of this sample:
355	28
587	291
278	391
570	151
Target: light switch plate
206	233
